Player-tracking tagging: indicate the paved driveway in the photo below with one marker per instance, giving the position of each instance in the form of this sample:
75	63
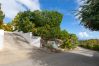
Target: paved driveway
43	58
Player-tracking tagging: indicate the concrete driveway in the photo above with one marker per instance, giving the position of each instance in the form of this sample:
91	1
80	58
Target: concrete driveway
18	52
38	57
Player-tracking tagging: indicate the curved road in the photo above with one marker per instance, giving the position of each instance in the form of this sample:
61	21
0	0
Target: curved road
18	53
39	57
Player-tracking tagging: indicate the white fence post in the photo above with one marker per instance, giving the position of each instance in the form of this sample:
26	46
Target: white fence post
1	38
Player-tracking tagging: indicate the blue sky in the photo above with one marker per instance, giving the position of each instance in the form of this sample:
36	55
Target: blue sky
66	7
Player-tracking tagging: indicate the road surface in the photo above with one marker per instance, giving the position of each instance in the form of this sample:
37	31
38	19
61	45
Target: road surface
18	53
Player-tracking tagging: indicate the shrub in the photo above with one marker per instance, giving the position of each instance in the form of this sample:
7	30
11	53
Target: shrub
66	44
96	47
92	44
7	27
70	40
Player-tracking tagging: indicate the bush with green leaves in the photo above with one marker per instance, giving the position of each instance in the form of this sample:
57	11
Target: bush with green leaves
66	44
70	41
24	20
1	17
43	23
90	44
7	27
47	33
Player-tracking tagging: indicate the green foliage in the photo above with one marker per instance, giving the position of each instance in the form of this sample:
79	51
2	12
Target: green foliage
7	27
23	23
1	17
89	14
74	40
64	35
39	18
45	24
90	44
69	40
47	32
66	44
52	18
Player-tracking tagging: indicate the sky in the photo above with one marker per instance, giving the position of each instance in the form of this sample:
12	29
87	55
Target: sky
66	7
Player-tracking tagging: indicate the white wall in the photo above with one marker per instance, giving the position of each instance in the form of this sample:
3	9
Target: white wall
33	40
36	41
27	36
1	39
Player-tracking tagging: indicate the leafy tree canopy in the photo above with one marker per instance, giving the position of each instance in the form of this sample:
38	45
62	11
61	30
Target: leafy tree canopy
45	24
89	14
1	16
24	20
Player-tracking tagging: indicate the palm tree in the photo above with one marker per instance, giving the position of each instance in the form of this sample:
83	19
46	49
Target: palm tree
89	14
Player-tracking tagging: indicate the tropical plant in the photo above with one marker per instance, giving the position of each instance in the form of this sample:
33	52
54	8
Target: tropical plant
90	44
89	14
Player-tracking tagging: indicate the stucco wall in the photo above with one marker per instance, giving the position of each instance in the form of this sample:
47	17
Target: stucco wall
36	41
15	37
33	40
26	36
1	39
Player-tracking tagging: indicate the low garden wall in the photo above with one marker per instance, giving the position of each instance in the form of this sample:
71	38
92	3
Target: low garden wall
36	41
1	39
32	40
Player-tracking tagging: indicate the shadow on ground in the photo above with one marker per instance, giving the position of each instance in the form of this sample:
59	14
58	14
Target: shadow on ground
45	58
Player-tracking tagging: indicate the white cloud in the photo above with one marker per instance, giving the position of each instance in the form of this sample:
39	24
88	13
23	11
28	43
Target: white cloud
31	4
11	7
83	34
80	2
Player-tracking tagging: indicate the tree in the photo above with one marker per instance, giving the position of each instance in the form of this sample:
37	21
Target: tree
41	18
89	14
45	24
24	20
47	32
1	17
64	35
